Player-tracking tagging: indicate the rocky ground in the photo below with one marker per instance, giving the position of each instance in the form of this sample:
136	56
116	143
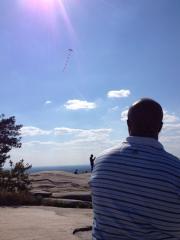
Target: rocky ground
62	189
59	188
44	223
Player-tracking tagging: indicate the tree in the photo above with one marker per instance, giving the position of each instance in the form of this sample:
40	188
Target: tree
9	137
16	179
15	185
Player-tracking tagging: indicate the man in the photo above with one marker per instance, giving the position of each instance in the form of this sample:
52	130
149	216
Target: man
136	186
92	159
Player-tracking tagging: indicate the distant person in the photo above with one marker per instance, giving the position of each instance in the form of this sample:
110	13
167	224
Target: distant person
92	159
136	186
76	171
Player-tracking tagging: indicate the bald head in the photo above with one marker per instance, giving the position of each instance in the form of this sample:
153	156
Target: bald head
145	118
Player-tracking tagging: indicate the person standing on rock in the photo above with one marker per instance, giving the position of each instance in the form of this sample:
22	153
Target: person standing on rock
92	159
136	186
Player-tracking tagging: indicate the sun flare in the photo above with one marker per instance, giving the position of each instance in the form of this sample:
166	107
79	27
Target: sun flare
40	4
49	10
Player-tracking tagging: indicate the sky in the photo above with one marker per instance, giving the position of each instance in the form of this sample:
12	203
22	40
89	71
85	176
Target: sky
69	70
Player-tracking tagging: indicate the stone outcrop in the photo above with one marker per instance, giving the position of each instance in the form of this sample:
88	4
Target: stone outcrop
67	203
45	223
62	189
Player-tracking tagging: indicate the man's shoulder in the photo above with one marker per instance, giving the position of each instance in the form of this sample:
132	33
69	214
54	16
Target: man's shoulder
115	150
172	157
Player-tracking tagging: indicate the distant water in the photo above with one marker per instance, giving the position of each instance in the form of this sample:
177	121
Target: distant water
80	168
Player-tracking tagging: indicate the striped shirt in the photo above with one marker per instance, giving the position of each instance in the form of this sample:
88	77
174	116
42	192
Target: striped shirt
136	192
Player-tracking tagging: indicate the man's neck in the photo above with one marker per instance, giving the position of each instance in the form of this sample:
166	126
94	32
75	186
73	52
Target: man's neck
144	135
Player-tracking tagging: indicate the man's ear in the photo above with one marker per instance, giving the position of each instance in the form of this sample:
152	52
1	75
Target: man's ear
129	126
160	127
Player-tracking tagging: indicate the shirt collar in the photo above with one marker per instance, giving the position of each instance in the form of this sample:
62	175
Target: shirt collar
145	141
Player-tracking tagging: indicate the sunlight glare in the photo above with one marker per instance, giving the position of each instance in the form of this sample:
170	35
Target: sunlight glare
40	5
49	10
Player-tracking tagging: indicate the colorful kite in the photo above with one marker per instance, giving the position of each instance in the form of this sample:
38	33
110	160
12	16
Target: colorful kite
69	53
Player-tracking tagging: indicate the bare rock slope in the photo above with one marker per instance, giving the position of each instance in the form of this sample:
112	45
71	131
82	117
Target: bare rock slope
44	223
62	189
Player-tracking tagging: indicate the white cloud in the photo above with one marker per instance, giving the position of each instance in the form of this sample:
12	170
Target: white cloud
95	134
46	143
169	118
171	143
75	143
171	123
76	104
33	131
170	135
85	134
71	152
170	139
172	126
64	130
48	102
114	109
124	115
118	93
59	131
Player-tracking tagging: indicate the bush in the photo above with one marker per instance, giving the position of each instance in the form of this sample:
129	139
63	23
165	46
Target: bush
15	185
15	199
16	179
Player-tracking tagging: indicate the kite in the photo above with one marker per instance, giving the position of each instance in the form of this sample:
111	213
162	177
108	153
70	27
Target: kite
69	53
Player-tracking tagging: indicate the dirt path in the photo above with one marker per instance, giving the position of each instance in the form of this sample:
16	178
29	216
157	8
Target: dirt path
43	223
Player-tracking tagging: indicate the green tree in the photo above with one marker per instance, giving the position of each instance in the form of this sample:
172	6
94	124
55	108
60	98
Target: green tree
16	179
9	137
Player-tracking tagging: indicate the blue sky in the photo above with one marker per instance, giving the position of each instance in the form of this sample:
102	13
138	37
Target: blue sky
122	51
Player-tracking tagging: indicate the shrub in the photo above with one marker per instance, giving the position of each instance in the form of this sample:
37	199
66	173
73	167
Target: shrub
16	179
15	198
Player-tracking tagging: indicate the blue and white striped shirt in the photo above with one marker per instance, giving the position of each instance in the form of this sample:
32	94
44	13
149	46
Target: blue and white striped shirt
136	192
